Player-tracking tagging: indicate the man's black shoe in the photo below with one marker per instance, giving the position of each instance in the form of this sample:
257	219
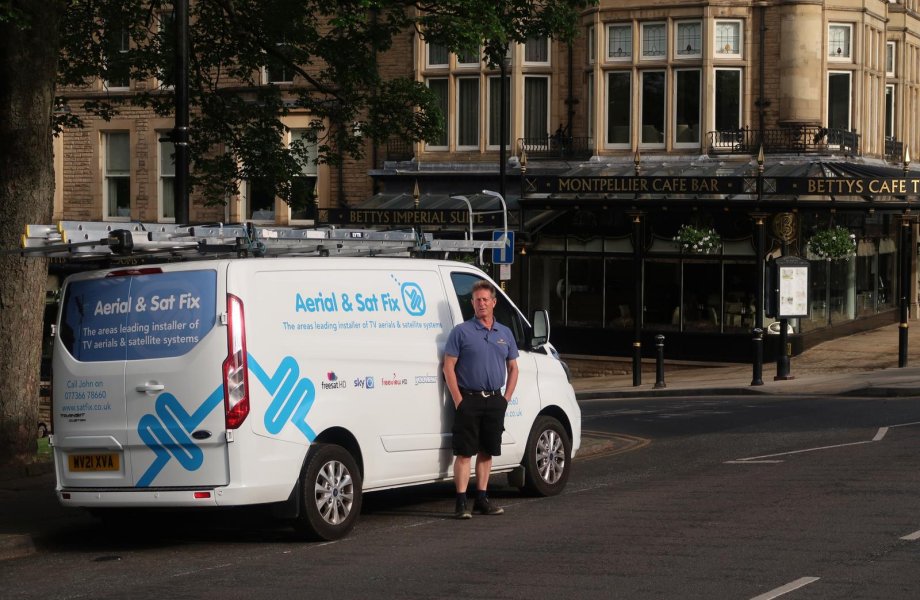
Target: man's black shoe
484	507
462	511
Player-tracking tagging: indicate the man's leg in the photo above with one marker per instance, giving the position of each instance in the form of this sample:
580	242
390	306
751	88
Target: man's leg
462	472
483	468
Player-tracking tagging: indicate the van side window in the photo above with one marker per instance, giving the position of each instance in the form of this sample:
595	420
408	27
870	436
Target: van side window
505	313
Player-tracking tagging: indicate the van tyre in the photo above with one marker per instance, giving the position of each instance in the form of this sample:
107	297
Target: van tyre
547	458
330	493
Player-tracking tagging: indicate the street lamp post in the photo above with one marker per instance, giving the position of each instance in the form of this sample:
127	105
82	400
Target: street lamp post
180	131
905	252
503	66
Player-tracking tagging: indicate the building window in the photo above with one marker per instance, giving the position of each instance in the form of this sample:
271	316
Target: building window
437	55
278	68
117	174
260	200
591	47
728	39
468	58
654	40
167	181
619	42
838	100
590	108
890	52
495	97
536	51
839	37
619	113
727	106
439	87
889	111
303	186
468	113
687	107
118	67
167	43
536	107
654	98
689	39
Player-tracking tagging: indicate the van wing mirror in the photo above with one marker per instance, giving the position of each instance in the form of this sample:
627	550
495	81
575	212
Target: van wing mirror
540	329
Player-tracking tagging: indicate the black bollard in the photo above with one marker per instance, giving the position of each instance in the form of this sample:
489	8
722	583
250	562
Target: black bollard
659	362
782	360
757	379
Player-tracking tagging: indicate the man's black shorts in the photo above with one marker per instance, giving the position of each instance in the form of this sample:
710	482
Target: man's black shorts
478	424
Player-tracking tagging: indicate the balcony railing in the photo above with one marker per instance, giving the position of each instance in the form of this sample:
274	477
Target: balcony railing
806	139
894	150
398	149
557	147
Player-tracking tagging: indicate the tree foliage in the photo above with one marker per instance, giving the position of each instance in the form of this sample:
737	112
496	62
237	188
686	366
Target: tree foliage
332	46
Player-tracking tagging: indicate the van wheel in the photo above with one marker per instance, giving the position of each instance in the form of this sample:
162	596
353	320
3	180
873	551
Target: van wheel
547	458
331	493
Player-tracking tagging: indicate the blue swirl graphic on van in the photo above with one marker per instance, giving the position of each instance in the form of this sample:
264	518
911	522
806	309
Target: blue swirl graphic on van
413	299
292	396
167	432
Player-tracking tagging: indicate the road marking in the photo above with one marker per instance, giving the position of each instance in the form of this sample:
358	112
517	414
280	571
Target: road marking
626	443
912	537
789	587
879	436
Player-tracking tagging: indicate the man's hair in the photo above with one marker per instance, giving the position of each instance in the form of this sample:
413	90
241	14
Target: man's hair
482	284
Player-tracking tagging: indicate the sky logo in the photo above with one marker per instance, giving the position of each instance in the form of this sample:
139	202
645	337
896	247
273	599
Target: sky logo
369	383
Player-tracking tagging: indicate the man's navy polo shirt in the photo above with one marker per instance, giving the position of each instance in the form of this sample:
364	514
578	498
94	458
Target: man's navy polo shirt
482	354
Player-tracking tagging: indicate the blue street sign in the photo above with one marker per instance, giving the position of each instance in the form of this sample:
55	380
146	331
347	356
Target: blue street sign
504	255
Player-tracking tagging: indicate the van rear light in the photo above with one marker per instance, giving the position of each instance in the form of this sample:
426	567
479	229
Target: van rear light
202	495
236	368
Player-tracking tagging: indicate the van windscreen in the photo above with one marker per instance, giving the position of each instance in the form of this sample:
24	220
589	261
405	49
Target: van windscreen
137	317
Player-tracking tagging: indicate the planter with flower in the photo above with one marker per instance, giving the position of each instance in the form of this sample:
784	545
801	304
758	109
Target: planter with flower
698	240
834	243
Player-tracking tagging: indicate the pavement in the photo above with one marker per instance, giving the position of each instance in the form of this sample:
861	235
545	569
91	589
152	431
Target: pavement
862	365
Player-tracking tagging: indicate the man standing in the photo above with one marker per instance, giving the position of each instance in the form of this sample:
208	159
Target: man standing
480	354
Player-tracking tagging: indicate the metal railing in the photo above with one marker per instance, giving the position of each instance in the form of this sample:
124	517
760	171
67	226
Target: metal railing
805	139
557	147
398	149
894	150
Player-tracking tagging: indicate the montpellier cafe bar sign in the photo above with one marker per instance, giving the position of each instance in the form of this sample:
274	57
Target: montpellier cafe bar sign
798	186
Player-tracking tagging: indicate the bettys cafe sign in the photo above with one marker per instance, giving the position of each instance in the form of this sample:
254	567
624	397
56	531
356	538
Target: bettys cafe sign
405	217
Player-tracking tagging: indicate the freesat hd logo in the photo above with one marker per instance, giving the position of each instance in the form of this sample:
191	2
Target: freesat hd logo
332	382
364	382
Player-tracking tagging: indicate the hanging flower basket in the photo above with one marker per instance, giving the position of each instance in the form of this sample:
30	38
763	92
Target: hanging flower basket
696	240
834	243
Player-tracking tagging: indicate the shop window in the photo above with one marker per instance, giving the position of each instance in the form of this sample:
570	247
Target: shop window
842	291
818	296
619	42
661	296
584	292
117	174
687	107
439	87
738	309
619	107
550	293
701	309
887	269
618	293
654	99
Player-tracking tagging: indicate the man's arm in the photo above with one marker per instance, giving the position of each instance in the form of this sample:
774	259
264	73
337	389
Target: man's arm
450	378
511	382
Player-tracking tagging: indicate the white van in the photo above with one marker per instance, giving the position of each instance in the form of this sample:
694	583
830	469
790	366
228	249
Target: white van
298	381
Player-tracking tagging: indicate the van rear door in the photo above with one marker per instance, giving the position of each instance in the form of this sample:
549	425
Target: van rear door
144	347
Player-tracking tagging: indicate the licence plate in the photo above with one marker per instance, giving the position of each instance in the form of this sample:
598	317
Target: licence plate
93	462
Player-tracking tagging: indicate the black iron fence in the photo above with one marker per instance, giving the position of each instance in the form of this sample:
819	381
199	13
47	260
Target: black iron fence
805	139
398	149
558	147
894	150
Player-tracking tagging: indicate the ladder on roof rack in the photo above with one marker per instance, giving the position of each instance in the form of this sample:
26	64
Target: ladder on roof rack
94	240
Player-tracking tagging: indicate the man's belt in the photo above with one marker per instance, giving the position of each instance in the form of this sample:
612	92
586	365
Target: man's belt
483	393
